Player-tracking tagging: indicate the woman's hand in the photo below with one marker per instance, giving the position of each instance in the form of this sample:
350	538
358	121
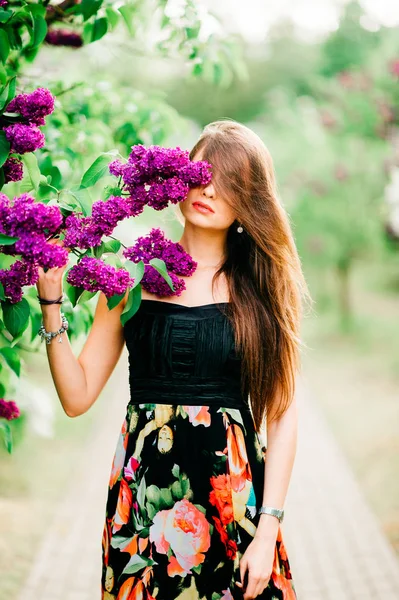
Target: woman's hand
258	560
49	284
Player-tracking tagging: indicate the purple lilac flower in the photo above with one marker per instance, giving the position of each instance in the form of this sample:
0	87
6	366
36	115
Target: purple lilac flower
155	245
93	275
24	138
8	409
81	233
157	176
19	274
13	169
116	168
34	247
156	160
87	232
107	214
32	222
34	106
176	259
171	190
154	283
146	247
64	37
26	215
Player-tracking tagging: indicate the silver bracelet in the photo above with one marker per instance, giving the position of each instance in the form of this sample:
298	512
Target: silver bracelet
269	510
48	335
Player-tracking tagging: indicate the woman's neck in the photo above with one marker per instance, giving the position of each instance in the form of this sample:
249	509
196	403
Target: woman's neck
207	247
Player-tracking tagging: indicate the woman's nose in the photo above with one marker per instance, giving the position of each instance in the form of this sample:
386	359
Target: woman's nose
208	191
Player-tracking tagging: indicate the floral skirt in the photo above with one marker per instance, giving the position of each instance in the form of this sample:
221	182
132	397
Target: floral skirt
185	485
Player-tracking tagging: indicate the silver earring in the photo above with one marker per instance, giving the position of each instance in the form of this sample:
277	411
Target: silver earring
240	229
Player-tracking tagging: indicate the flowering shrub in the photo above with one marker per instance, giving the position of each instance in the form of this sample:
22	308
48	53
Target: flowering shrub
20	120
151	176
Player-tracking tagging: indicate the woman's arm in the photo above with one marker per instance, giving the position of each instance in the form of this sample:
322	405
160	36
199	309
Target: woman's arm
280	456
79	380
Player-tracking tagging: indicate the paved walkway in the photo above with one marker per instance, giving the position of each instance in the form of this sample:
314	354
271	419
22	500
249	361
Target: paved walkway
335	546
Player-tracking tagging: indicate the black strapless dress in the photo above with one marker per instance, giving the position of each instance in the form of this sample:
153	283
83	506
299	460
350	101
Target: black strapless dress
188	472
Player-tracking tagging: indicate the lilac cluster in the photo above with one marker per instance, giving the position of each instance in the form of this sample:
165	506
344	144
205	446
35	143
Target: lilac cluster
31	222
64	37
93	275
34	106
176	259
8	409
26	136
13	169
87	232
152	176
21	272
155	176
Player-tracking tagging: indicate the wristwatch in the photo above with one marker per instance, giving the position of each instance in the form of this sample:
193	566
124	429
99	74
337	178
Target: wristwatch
268	510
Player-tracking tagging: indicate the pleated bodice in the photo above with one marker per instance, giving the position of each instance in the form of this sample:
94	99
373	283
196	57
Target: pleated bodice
183	355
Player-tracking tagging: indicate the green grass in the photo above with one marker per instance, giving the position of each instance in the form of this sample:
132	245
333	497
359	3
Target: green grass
354	377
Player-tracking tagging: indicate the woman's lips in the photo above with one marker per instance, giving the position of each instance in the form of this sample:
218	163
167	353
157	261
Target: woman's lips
202	208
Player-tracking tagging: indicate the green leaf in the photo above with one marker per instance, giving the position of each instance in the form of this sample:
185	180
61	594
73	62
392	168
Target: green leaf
4	46
5	427
30	161
136	563
166	498
4	96
127	11
141	493
87	32
88	8
113	260
111	191
151	510
5	15
153	494
73	292
12	359
85	296
112	16
177	490
112	246
136	270
83	198
132	304
114	300
2	294
4	148
97	170
7	240
39	31
160	266
16	316
176	470
100	28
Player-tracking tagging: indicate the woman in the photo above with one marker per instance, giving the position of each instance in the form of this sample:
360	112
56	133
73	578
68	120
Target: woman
190	472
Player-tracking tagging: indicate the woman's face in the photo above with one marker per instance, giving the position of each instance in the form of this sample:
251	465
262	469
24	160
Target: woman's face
221	215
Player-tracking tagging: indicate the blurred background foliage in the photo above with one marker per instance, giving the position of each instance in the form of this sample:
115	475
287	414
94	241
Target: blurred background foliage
328	111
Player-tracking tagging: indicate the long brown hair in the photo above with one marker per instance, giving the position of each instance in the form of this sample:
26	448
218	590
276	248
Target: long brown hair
262	266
